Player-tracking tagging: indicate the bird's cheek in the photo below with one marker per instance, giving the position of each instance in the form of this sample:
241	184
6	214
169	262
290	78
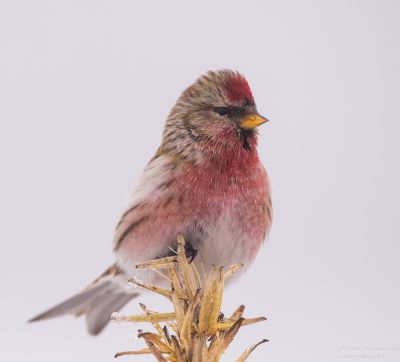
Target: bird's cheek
220	127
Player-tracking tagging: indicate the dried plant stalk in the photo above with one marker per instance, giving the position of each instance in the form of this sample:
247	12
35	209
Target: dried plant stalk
196	330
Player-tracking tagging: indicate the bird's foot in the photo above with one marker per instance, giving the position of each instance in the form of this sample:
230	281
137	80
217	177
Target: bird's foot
190	252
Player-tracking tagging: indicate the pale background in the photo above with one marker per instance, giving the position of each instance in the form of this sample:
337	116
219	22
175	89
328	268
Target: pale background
85	87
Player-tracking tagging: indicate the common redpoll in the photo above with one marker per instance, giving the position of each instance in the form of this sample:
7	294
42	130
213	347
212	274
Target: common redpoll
205	182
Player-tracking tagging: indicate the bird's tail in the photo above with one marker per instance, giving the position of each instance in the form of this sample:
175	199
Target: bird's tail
97	302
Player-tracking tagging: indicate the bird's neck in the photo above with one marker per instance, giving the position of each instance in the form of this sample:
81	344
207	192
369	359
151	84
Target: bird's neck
224	149
232	150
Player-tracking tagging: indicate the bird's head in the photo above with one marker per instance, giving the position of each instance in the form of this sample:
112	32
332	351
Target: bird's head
217	111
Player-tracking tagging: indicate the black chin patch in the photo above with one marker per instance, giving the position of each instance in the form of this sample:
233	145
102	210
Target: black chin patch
245	135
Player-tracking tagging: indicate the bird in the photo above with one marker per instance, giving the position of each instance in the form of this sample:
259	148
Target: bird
205	182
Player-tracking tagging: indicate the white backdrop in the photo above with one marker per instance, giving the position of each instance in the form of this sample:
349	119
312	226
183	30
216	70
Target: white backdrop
85	87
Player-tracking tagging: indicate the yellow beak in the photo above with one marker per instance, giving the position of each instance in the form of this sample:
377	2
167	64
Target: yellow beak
252	121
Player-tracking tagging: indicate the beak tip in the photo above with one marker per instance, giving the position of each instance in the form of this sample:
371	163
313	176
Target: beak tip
253	121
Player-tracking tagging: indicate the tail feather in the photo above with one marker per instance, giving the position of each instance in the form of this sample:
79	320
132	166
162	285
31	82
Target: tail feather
75	305
97	302
99	312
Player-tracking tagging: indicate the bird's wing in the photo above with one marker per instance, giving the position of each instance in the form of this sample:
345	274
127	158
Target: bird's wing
153	218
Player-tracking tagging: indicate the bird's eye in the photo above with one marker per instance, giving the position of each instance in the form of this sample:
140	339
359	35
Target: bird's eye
222	111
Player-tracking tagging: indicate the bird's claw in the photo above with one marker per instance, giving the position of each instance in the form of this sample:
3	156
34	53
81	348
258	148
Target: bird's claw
190	252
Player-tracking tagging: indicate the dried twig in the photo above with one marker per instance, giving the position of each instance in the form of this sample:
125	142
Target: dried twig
200	333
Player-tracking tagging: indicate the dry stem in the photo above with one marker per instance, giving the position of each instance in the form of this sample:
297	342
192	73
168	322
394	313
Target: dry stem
200	333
